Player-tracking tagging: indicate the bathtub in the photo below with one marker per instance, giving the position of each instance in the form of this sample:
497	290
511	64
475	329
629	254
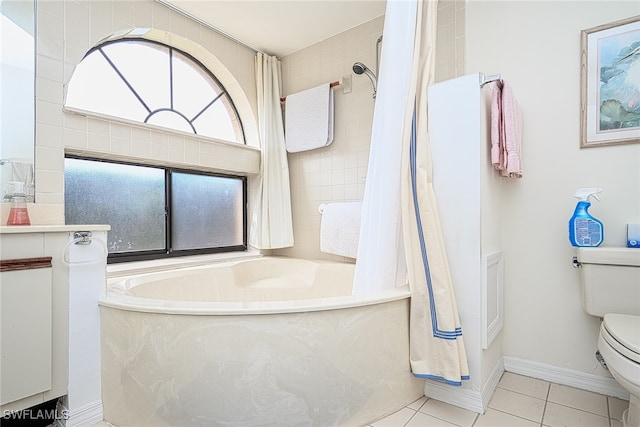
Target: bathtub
262	342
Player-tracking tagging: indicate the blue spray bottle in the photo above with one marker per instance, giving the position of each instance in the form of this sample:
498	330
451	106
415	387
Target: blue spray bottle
585	230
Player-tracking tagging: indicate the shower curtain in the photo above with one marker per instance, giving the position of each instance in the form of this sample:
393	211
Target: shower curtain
436	347
271	223
380	260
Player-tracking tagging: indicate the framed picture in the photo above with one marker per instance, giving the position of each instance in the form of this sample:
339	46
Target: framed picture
610	77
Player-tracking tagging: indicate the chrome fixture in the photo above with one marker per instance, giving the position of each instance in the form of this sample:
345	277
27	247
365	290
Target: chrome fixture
82	237
359	68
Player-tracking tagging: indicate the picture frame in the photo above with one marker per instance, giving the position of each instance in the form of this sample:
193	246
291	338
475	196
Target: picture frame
610	84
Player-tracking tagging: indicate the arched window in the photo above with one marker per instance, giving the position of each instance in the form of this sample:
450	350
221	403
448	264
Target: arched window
150	82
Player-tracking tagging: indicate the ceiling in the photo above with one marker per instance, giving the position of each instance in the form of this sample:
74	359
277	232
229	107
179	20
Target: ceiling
281	27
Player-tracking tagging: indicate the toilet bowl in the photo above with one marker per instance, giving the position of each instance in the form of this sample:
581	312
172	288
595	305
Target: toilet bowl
619	345
610	289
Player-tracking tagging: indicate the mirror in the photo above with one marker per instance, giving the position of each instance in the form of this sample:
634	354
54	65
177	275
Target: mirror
17	85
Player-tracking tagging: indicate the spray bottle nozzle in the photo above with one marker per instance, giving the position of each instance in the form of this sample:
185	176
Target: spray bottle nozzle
584	193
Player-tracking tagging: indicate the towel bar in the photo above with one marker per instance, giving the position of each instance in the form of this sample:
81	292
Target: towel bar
331	85
484	79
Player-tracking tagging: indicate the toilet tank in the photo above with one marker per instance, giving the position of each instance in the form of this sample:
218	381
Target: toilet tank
610	280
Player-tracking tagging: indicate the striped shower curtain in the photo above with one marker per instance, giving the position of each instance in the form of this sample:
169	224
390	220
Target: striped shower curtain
409	239
437	349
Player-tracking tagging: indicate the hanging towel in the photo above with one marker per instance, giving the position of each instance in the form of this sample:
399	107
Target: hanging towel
340	228
22	172
506	131
497	148
309	119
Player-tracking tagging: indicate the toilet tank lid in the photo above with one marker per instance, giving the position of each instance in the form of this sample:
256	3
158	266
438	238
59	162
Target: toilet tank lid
610	256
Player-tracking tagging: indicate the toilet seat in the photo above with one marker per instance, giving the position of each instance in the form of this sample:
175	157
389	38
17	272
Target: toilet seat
619	345
622	333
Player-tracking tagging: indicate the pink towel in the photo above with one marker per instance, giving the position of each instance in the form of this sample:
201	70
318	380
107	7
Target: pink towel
497	147
506	131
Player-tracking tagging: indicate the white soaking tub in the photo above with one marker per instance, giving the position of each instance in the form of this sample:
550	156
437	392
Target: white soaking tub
262	342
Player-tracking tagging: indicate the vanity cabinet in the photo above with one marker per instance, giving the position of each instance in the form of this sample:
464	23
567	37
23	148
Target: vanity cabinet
34	313
34	306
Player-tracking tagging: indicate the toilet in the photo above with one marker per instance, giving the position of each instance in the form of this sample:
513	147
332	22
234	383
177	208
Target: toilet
610	285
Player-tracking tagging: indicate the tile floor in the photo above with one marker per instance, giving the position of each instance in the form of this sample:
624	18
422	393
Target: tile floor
518	401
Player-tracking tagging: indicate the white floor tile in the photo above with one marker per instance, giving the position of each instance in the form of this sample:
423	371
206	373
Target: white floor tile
493	418
525	385
562	416
450	413
396	419
518	404
579	399
424	420
617	407
418	403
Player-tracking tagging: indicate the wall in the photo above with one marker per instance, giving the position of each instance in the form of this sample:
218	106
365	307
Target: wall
338	172
536	47
17	65
66	31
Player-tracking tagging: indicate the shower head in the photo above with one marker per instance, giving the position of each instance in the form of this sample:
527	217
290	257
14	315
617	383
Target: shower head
359	68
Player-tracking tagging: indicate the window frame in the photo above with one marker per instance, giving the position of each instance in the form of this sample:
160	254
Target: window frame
168	251
225	93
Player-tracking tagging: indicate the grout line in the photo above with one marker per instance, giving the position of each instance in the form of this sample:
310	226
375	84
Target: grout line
541	423
412	416
476	419
546	402
519	416
525	394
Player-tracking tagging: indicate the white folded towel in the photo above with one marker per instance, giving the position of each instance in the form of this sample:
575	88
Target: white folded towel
309	119
340	228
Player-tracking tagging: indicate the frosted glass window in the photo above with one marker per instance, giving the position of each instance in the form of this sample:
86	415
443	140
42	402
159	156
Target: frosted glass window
153	83
207	211
129	198
155	211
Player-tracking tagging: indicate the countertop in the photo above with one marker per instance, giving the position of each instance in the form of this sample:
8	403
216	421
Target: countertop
15	229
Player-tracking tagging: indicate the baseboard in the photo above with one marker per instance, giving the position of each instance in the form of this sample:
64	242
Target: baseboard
86	416
581	380
492	383
467	398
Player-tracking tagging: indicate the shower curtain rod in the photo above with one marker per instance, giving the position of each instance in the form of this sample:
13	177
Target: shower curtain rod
209	26
331	85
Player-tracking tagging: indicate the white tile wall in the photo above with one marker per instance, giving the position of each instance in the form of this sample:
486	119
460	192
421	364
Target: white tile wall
450	39
66	31
338	172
